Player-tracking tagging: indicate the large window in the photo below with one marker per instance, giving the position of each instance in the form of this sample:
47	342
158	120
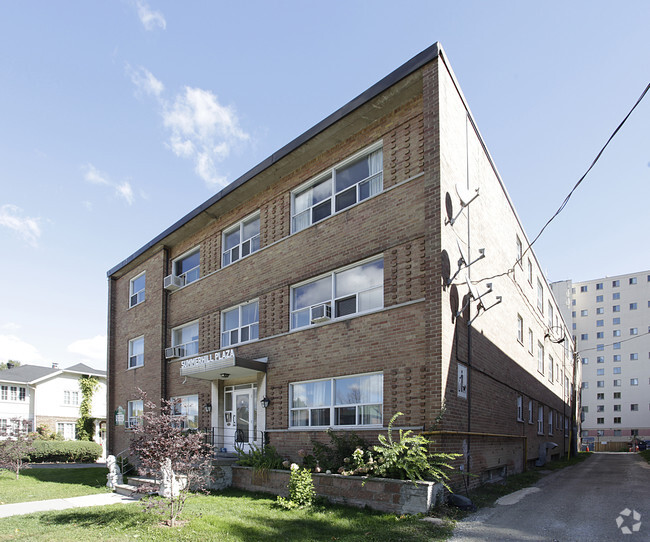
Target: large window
67	430
136	290
240	324
354	180
187	267
540	420
351	400
13	393
134	413
186	339
185	410
71	398
136	352
349	291
241	240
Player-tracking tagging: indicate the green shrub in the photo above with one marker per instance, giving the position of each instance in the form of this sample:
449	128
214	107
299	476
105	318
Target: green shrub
259	458
77	451
301	489
331	457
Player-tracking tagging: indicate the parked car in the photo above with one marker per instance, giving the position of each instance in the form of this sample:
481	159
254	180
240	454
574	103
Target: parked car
644	445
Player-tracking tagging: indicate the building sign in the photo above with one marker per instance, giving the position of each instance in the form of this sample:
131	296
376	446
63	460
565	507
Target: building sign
119	416
204	360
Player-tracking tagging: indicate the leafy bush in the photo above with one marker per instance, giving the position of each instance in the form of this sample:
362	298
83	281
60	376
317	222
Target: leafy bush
301	489
64	451
331	457
260	458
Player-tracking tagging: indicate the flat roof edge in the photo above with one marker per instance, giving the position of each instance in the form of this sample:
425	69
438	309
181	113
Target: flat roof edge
406	69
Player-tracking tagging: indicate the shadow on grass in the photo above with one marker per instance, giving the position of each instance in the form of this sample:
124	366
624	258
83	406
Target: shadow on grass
92	476
124	517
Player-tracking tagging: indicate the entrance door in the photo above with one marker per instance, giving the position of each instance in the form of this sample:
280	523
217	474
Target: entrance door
239	418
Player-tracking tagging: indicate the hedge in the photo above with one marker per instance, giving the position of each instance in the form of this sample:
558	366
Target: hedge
78	451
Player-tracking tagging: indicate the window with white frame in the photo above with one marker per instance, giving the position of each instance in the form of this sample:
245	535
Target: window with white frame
352	181
135	410
351	290
520	329
71	398
136	290
187	267
531	341
540	296
550	368
530	272
540	357
520	408
241	240
341	401
4	393
530	412
67	430
186	338
540	420
519	251
136	352
550	314
240	324
13	393
185	410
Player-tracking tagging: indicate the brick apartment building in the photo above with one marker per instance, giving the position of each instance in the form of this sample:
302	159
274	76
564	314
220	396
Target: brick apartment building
330	287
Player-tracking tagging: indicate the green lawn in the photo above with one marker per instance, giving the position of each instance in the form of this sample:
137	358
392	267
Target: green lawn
41	484
227	517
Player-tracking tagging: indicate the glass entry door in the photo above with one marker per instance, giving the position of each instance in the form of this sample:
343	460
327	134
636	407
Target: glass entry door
240	414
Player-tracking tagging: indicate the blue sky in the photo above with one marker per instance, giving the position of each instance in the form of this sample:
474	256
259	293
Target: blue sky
119	117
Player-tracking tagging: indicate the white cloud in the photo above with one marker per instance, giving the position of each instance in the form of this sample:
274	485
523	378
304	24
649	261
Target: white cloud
144	81
149	18
10	326
12	347
94	176
27	227
202	130
93	349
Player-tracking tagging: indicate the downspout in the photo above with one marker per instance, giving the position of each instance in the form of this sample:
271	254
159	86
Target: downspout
110	418
469	314
163	327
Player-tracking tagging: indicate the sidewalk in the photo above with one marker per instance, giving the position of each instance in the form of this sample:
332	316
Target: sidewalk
100	499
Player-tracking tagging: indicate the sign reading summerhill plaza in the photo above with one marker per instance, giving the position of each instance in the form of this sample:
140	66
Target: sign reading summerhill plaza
206	359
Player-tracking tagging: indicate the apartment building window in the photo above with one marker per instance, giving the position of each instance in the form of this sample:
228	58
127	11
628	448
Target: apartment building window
573	314
616	395
530	412
540	357
616	283
585	409
136	352
599	299
600	335
531	340
540	296
617	432
634	331
520	329
600	408
600	323
617	370
633	306
241	240
344	401
600	347
187	267
530	272
352	290
599	286
240	324
617	357
71	398
355	180
585	384
600	397
634	356
616	295
573	303
600	372
583	289
520	252
632	280
585	361
600	384
634	407
616	308
600	310
616	321
616	333
600	432
550	422
584	433
185	339
600	359
540	420
584	336
136	290
617	383
557	372
600	421
520	409
67	430
550	314
617	420
573	326
634	381
134	413
617	346
550	369
185	411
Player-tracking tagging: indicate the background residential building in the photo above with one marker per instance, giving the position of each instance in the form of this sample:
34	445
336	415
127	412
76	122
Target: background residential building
50	397
610	319
374	265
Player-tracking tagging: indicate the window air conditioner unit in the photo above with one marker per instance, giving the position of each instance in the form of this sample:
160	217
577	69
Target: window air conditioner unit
172	282
321	313
174	352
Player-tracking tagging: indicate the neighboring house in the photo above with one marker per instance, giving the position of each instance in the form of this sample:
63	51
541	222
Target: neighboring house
610	317
342	280
49	396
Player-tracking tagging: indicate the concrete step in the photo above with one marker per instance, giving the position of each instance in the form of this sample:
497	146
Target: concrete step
125	489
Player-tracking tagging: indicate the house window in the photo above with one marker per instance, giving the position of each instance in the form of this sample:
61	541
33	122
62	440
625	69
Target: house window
353	181
4	393
520	329
530	412
134	413
240	324
241	240
349	291
187	267
520	409
16	393
540	420
67	430
462	381
186	338
540	296
136	290
632	280
617	432
136	352
531	341
71	398
634	381
634	407
540	357
355	400
185	411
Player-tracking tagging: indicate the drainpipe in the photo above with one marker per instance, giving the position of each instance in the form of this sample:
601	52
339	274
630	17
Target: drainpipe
163	341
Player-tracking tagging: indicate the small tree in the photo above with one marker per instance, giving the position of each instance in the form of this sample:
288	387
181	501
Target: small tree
179	457
15	446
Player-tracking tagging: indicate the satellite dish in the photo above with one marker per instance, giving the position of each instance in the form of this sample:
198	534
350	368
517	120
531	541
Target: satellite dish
465	195
462	254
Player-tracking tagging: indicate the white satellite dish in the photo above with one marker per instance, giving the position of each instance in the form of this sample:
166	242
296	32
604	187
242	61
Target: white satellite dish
465	195
462	258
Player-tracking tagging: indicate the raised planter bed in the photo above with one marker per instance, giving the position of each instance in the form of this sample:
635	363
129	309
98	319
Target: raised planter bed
383	494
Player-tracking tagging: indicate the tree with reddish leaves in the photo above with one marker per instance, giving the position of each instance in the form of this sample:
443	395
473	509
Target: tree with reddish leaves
178	458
